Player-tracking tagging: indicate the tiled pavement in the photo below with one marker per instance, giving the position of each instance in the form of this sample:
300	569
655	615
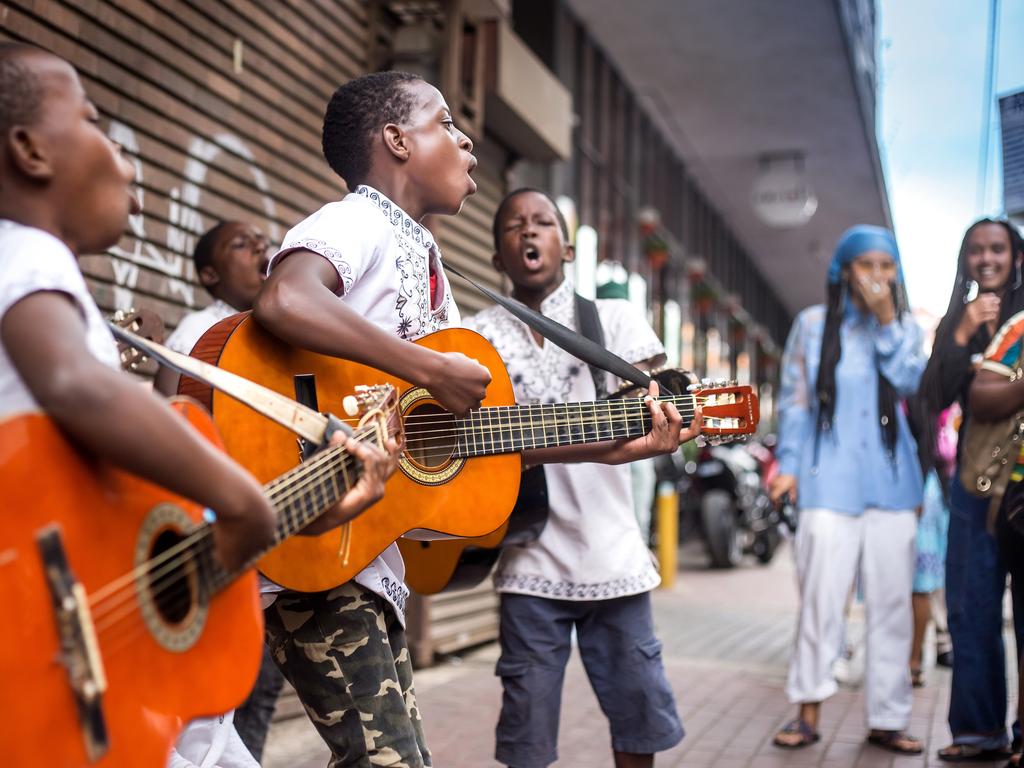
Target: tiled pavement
726	642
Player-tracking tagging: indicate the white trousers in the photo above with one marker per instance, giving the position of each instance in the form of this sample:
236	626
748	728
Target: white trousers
829	546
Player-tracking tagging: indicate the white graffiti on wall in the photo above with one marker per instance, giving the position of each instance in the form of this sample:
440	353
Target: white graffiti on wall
185	222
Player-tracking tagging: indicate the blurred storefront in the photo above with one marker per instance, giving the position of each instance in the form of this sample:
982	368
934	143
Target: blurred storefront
661	126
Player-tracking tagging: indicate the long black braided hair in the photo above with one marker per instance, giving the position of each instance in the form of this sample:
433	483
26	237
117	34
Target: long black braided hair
930	401
831	351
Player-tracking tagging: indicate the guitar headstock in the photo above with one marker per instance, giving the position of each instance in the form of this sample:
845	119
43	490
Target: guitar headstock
376	405
147	324
730	410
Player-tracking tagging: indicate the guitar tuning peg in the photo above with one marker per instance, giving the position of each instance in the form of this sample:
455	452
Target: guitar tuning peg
694	387
700	441
350	404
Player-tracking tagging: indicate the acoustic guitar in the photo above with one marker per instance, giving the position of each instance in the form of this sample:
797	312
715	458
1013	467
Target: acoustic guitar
453	564
125	626
457	476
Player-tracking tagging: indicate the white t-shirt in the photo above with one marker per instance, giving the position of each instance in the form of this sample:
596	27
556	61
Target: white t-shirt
591	547
30	261
195	324
211	742
384	260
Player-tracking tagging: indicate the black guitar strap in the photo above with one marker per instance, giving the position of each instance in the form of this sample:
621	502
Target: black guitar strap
574	343
588	322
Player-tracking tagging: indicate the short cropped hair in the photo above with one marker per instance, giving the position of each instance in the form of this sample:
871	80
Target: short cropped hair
202	254
496	226
356	111
21	90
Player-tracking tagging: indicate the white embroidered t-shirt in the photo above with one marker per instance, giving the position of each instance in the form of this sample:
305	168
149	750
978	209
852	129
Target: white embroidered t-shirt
195	324
591	547
32	260
384	261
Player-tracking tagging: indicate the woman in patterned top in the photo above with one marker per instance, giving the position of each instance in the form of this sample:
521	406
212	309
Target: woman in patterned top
997	393
989	265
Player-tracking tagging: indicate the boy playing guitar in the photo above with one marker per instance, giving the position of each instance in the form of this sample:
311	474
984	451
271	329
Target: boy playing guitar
354	280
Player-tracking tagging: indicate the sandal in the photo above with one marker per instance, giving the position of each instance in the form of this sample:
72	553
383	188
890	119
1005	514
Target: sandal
799	728
896	741
967	753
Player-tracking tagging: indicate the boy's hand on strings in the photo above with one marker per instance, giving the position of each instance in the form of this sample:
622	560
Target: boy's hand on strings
666	434
377	466
458	382
243	529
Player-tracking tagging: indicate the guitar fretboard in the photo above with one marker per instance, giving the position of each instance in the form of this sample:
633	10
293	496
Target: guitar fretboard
299	497
514	428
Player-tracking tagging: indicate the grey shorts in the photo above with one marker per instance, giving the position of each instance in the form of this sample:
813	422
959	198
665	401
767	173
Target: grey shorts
622	658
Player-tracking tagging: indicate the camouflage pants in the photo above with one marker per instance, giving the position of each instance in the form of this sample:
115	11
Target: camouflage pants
344	652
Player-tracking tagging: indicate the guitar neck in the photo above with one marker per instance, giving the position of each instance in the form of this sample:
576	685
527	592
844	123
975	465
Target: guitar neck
299	497
515	428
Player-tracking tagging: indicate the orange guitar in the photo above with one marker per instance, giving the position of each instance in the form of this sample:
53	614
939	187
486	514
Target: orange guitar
123	627
458	476
454	564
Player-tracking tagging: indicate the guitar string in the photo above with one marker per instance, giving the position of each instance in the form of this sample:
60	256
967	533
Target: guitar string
445	416
157	586
281	492
637	407
528	428
520	437
109	614
479	419
185	554
101	595
483	430
300	473
314	466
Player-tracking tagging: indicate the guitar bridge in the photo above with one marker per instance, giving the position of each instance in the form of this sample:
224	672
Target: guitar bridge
80	653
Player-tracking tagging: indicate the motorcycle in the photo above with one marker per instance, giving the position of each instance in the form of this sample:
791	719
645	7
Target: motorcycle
723	492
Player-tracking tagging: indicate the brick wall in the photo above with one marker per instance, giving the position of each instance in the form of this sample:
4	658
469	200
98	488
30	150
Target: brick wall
219	103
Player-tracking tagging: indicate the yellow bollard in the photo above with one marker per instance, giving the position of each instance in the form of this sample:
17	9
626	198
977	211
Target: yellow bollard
668	533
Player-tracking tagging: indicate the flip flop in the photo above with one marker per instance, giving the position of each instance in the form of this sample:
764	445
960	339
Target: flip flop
968	753
891	740
917	677
800	727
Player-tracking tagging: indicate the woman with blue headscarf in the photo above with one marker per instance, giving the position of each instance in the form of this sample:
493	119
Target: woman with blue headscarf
848	460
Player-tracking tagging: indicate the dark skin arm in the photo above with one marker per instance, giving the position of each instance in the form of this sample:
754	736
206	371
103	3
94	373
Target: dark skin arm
118	421
298	305
166	381
993	397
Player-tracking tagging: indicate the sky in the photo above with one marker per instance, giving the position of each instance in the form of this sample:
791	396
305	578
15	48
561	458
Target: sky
931	73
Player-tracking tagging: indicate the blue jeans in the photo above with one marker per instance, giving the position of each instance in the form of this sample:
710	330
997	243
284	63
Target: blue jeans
622	658
975	583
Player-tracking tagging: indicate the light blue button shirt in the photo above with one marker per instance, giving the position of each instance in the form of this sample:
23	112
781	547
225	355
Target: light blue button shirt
852	471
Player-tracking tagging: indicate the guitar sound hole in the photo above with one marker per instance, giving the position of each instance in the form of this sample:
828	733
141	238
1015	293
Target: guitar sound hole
172	582
430	435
